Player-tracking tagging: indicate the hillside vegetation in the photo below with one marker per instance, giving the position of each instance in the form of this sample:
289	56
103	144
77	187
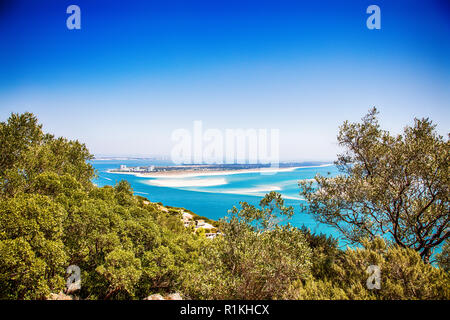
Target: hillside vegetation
52	216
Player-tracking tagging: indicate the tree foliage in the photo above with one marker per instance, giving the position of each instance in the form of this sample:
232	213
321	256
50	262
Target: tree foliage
52	217
396	187
404	275
256	258
443	258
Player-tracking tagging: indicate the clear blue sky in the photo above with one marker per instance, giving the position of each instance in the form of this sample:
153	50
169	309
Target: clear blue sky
137	70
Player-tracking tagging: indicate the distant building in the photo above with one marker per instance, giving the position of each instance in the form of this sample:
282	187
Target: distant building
187	216
187	219
123	167
204	225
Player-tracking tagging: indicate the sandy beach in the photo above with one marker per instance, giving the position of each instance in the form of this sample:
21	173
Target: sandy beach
177	174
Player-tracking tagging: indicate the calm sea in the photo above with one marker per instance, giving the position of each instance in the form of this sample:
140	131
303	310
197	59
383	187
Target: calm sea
212	196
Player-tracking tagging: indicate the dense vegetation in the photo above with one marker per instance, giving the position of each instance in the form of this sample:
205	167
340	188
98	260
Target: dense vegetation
396	187
52	216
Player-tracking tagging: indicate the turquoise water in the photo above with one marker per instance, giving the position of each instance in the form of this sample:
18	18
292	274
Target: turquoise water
213	195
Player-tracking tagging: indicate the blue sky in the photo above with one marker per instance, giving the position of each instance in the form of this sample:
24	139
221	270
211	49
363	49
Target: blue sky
137	70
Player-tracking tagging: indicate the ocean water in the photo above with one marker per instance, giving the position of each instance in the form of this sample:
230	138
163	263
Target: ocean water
213	195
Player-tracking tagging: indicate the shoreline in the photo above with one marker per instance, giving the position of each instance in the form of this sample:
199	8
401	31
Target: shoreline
201	173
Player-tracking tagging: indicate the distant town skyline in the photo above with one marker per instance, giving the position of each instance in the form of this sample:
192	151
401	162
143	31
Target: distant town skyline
137	71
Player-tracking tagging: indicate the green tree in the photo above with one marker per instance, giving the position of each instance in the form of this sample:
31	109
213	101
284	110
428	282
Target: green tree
33	259
17	135
257	257
52	216
26	152
122	271
443	258
325	251
403	276
396	187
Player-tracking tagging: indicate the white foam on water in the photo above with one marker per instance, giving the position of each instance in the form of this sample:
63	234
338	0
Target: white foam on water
140	192
257	191
185	183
